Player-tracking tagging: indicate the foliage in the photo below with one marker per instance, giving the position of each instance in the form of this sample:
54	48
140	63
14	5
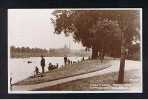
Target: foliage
100	29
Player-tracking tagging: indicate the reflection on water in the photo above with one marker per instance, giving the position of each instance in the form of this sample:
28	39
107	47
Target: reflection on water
19	68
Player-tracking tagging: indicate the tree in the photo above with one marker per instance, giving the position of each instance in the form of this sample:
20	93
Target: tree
107	34
128	24
79	24
82	24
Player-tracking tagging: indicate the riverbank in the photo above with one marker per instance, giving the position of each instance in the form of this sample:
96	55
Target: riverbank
66	71
89	75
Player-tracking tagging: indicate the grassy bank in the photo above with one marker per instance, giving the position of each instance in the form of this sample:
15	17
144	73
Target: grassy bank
100	83
67	71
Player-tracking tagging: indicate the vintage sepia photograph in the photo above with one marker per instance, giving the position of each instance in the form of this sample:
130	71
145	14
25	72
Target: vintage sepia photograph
75	50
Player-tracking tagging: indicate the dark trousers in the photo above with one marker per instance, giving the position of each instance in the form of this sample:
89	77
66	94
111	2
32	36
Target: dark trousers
43	69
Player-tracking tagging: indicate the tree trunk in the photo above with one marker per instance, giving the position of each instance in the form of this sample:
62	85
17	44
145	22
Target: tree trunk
122	61
101	55
94	53
121	70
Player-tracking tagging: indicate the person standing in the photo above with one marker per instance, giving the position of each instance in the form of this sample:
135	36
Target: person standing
42	63
65	60
11	83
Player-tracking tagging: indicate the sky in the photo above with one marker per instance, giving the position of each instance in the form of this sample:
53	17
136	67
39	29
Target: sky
33	28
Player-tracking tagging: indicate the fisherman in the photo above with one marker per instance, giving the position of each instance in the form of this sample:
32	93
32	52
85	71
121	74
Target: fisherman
42	63
36	70
50	66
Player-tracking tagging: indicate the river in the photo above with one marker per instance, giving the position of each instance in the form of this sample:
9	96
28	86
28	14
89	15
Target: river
19	68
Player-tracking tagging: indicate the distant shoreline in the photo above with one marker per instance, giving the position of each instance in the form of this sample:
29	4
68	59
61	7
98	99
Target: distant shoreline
48	56
56	53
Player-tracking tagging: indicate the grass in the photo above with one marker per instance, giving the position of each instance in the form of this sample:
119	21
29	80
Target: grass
99	83
66	71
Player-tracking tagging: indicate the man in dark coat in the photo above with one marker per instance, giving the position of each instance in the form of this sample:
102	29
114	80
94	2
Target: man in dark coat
65	60
42	63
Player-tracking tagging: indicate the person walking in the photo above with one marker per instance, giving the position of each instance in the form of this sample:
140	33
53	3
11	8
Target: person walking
42	63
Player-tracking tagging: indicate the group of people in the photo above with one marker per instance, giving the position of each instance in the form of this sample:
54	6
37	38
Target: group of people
68	61
51	66
42	66
42	63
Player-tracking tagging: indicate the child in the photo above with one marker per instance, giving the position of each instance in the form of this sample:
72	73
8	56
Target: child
36	70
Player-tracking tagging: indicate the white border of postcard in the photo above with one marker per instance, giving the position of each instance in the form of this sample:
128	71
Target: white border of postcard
42	92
